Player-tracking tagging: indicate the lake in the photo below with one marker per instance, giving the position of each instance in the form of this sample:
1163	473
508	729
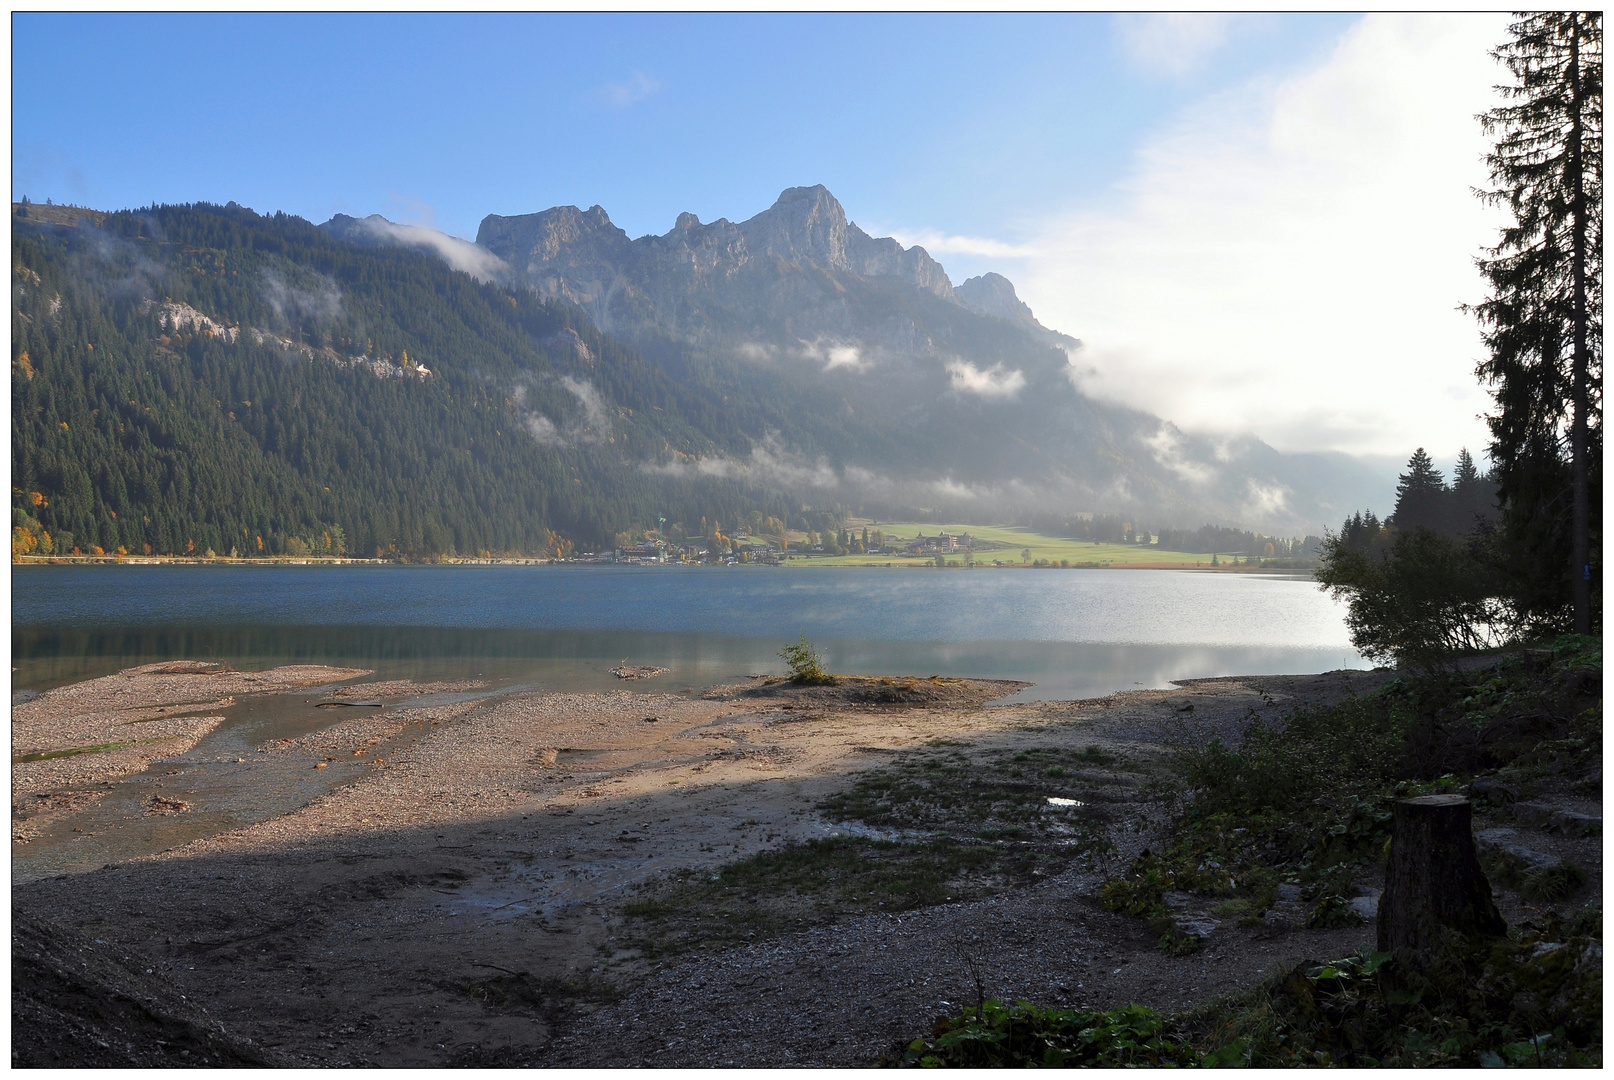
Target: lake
1072	633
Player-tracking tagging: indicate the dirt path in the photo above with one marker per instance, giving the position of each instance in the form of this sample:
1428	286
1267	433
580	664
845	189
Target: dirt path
471	898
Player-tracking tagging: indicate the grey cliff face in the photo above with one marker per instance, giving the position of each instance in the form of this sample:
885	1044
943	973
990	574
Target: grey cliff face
581	257
876	360
564	254
805	223
993	294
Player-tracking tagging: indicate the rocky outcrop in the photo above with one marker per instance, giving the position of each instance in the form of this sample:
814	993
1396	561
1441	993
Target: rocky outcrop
581	257
993	294
878	364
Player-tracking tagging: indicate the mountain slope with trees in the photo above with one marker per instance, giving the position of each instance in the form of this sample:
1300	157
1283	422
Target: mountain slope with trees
199	378
202	378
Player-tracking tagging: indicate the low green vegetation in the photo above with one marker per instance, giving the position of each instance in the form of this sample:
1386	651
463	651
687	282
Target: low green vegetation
1531	1000
801	885
951	827
98	748
1010	545
1306	803
1000	798
995	1035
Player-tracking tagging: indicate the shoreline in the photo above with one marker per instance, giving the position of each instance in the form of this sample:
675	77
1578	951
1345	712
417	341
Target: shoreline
200	560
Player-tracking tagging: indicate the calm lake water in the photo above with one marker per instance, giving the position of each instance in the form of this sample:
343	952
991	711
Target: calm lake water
1072	633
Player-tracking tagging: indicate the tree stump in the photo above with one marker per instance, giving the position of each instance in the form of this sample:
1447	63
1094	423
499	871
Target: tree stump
1434	886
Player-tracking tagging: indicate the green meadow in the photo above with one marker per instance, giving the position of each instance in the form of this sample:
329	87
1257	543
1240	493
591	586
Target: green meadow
1015	543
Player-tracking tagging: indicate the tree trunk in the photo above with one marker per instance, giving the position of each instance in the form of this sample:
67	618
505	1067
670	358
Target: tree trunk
1580	583
1435	885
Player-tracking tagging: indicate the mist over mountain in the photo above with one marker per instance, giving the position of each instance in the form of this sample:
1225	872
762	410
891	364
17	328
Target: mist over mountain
859	371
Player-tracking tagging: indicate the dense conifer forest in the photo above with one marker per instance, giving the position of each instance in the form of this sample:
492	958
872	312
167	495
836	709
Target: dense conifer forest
200	378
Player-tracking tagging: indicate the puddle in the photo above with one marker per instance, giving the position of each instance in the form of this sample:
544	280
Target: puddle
868	832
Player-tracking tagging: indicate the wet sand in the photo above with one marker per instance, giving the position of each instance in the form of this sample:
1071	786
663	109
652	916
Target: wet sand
72	744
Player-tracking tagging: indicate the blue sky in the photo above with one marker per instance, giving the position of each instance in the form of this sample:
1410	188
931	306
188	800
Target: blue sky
1145	180
967	124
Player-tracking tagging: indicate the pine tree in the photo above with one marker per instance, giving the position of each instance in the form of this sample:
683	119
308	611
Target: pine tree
1543	321
1473	496
1466	474
1418	495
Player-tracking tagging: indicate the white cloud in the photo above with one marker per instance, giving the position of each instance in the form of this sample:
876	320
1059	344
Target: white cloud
995	381
844	356
1166	445
323	303
596	417
949	488
1174	43
542	428
832	354
631	92
1265	500
771	462
939	243
462	255
1288	257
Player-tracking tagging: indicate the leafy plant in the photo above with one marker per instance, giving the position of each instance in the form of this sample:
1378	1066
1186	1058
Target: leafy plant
1308	800
1417	597
806	666
995	1035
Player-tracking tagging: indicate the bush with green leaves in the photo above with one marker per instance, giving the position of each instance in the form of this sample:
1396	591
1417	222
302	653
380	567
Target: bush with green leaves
806	666
1308	799
1533	998
1417	597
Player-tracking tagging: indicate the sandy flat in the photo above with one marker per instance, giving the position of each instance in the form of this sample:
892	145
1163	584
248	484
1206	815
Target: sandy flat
502	838
70	743
460	897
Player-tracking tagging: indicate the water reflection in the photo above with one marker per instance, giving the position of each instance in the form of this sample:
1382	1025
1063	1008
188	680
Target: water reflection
1072	633
580	660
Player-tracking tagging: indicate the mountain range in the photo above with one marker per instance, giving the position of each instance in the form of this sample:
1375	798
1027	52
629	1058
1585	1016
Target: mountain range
878	378
209	378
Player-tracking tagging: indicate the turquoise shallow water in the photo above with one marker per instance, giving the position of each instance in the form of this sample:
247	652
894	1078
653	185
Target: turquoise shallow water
1071	633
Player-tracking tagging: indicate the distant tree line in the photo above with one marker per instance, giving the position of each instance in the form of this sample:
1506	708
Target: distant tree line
1207	539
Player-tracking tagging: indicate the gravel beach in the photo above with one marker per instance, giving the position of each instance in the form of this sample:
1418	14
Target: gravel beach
464	894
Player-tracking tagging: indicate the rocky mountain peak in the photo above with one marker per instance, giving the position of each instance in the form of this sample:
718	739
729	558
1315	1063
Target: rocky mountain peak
803	223
560	232
993	294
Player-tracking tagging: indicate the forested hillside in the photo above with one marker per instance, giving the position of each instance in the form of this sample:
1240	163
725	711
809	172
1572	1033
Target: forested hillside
201	378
